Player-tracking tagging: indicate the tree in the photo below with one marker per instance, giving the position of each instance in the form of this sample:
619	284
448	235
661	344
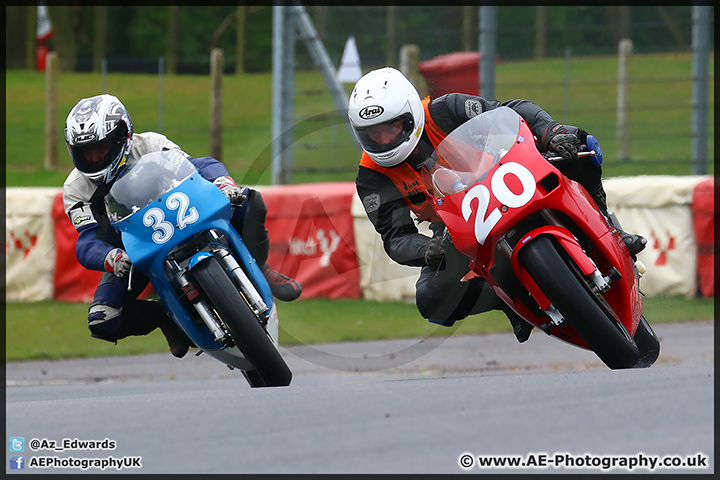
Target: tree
17	43
540	31
172	41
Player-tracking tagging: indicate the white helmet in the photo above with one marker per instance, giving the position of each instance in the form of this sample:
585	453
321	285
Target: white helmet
99	121
386	115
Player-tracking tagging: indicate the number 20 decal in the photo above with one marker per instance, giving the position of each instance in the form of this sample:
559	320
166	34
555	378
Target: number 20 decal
164	230
483	224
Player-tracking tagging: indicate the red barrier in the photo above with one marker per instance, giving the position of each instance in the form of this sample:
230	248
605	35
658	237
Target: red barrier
311	240
703	211
312	237
73	283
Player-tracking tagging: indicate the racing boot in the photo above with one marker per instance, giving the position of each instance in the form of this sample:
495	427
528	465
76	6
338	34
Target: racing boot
521	328
177	341
282	287
635	243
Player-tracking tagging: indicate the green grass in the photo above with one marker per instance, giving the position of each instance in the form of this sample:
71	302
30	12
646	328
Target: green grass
55	330
660	95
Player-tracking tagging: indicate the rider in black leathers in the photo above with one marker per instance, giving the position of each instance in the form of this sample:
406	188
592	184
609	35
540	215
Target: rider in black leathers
387	183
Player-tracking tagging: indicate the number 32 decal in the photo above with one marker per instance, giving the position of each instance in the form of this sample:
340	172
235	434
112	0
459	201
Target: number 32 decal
164	230
484	224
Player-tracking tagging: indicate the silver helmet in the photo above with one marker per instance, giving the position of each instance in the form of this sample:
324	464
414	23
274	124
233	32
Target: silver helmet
98	134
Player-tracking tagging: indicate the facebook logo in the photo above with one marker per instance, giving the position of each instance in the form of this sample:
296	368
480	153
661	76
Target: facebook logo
17	444
17	462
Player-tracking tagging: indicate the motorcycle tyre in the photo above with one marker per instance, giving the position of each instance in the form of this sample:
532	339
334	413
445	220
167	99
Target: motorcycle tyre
245	328
572	296
648	344
253	378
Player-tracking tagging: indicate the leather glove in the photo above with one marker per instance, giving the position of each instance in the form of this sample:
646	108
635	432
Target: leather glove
582	136
435	251
117	262
233	192
565	145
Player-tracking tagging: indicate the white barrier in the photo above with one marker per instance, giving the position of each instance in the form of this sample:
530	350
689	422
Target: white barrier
29	243
381	278
655	206
658	207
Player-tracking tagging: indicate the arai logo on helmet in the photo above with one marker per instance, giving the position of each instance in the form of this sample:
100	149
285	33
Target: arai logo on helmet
371	111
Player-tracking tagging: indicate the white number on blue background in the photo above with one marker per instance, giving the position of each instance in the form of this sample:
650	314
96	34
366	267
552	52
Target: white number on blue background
164	230
180	202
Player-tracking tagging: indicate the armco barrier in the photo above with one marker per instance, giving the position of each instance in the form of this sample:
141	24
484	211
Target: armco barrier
657	207
310	229
321	236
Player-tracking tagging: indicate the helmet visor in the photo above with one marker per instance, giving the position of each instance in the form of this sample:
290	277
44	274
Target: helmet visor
96	157
386	136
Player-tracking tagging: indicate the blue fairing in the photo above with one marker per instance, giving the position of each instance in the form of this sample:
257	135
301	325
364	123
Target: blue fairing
149	234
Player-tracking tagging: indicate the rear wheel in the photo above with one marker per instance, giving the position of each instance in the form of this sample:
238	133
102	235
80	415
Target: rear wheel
586	311
243	325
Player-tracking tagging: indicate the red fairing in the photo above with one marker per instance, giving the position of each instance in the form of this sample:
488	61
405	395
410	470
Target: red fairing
521	184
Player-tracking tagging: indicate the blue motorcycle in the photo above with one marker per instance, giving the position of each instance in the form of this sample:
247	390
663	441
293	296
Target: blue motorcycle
175	226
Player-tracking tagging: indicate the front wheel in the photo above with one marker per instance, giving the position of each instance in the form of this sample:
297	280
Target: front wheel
254	378
648	343
244	326
570	293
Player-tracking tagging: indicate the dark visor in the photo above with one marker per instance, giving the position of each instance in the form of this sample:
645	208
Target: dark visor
370	136
116	141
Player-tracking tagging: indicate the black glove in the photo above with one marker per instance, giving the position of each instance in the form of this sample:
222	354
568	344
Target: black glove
565	145
435	251
582	136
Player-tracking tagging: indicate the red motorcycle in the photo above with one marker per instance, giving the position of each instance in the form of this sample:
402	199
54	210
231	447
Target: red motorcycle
539	239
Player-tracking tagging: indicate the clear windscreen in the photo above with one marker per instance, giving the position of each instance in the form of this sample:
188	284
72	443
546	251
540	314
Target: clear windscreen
471	150
146	179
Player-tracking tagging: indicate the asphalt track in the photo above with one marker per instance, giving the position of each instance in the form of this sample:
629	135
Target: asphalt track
403	406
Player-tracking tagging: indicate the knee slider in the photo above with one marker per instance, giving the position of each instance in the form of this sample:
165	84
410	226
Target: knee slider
430	303
104	322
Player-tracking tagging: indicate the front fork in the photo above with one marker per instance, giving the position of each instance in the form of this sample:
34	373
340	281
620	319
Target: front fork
202	309
598	282
239	277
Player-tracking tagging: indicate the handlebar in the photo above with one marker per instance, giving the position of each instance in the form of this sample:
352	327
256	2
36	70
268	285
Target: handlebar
580	154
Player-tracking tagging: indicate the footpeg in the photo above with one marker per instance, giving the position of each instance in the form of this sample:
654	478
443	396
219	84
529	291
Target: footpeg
614	275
